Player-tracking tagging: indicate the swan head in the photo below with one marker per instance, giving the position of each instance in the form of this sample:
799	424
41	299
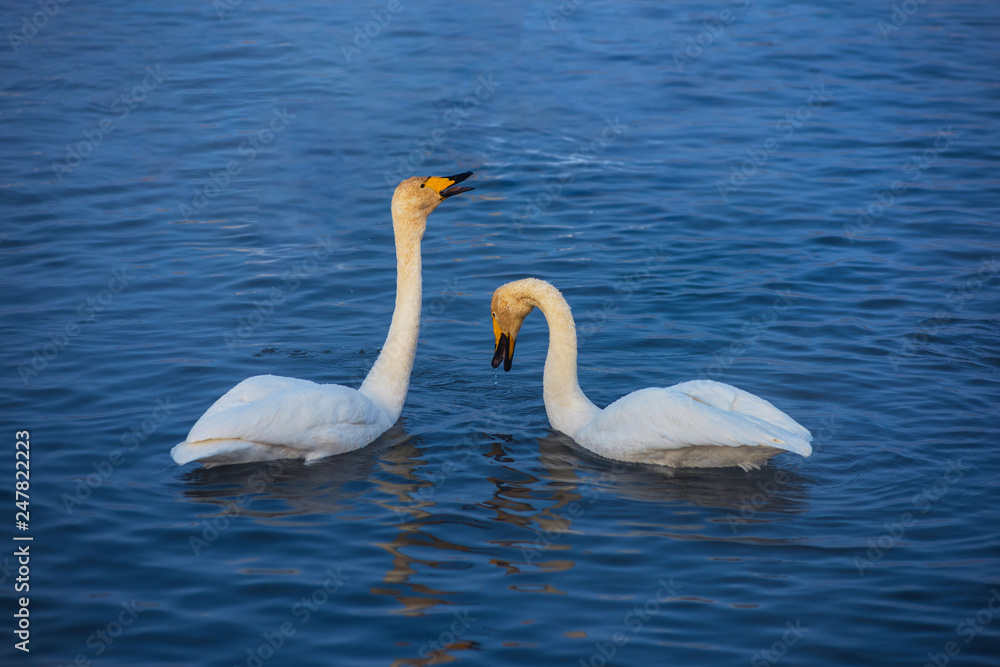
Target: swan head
509	310
416	197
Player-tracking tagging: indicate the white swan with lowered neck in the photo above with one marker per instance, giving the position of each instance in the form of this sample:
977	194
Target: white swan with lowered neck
698	424
269	417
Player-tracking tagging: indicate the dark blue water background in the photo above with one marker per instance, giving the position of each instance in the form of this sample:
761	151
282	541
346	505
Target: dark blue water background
800	199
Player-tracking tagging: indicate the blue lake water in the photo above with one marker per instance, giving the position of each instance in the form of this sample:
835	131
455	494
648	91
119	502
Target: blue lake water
800	199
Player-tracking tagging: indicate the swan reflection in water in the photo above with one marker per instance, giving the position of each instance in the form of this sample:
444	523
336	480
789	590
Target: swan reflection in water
534	520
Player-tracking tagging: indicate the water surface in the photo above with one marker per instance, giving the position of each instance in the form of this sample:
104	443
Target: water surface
799	199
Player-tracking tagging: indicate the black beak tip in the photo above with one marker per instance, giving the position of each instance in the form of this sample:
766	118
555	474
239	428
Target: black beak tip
458	178
502	353
453	189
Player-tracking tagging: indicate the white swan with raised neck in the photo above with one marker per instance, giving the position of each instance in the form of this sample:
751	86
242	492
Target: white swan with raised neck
269	417
701	423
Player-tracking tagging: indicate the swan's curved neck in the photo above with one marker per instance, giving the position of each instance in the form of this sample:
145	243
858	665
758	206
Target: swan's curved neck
567	407
389	378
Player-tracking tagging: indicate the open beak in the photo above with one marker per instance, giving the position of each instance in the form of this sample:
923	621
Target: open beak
445	185
504	350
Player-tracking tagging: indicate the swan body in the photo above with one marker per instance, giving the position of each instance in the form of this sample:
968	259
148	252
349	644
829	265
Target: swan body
694	424
270	417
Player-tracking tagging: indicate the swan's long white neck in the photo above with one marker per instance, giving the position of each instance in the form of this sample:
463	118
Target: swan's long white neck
389	378
567	407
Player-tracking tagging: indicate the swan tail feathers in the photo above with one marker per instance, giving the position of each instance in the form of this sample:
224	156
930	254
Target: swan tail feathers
792	442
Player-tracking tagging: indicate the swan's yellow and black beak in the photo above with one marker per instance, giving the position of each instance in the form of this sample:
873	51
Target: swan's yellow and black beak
444	185
505	347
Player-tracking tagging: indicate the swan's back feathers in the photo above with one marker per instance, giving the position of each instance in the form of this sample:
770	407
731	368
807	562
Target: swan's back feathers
296	416
254	389
691	414
729	398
